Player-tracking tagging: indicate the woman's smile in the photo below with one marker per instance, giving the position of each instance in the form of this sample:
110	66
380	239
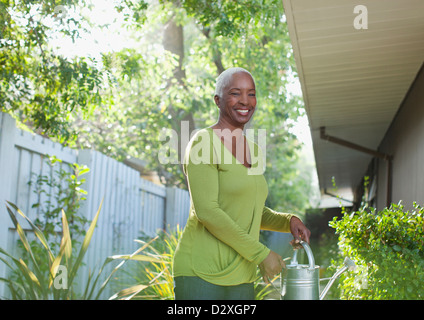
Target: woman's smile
243	112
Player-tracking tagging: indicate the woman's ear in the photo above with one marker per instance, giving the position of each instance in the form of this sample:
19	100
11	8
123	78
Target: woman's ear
216	99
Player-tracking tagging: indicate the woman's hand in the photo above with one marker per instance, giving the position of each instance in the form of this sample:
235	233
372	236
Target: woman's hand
299	232
271	266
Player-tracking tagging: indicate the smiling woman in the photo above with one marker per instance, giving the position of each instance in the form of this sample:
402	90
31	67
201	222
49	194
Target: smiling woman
219	249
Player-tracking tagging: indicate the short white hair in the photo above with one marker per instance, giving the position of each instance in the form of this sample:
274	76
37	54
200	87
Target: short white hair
225	77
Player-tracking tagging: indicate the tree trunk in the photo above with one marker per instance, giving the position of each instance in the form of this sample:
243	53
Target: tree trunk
173	41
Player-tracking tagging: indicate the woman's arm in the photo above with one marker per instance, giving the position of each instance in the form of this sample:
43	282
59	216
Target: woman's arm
275	221
284	222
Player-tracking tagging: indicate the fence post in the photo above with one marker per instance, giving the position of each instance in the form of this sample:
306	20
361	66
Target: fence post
7	163
85	157
177	208
169	209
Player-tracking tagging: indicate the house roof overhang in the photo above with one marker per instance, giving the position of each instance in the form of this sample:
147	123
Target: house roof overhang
353	80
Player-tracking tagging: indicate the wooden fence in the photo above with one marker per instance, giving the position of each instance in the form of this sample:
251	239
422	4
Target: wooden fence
132	206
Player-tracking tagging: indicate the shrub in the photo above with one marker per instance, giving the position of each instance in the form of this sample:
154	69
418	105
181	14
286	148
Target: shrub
387	247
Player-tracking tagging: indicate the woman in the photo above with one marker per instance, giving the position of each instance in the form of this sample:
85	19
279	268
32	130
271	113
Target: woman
219	249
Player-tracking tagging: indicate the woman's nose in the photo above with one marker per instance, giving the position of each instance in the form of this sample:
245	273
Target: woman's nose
244	98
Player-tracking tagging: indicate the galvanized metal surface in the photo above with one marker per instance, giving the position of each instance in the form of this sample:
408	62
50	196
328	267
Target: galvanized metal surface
301	281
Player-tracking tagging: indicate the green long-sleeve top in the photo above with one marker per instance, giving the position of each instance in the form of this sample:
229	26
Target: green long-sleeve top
220	242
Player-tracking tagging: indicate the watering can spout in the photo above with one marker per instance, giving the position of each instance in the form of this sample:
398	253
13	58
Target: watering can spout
347	265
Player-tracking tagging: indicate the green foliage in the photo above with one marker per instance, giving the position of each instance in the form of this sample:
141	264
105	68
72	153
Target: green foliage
39	87
154	280
388	248
149	97
33	283
60	191
229	18
58	284
120	104
265	291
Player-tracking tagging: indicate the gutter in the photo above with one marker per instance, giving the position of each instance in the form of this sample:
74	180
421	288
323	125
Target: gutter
384	156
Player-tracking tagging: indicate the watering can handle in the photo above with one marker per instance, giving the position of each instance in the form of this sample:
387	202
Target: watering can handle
308	253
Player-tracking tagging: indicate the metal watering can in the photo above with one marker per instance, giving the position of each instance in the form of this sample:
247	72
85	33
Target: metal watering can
301	281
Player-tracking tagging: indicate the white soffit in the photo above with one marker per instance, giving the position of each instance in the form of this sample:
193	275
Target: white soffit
353	80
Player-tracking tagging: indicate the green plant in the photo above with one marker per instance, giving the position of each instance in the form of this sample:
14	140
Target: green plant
34	284
58	284
60	190
387	246
154	277
265	291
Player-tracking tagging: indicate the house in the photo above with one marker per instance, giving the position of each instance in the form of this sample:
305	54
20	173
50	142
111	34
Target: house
360	65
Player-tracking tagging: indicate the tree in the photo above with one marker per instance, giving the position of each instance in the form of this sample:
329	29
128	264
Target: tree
37	86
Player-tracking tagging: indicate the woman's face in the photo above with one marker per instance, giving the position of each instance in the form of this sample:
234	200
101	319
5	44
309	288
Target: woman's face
238	100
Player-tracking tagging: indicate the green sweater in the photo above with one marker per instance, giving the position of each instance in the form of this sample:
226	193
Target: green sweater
220	242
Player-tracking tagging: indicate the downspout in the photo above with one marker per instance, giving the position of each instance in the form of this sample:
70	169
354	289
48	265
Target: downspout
384	156
335	196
